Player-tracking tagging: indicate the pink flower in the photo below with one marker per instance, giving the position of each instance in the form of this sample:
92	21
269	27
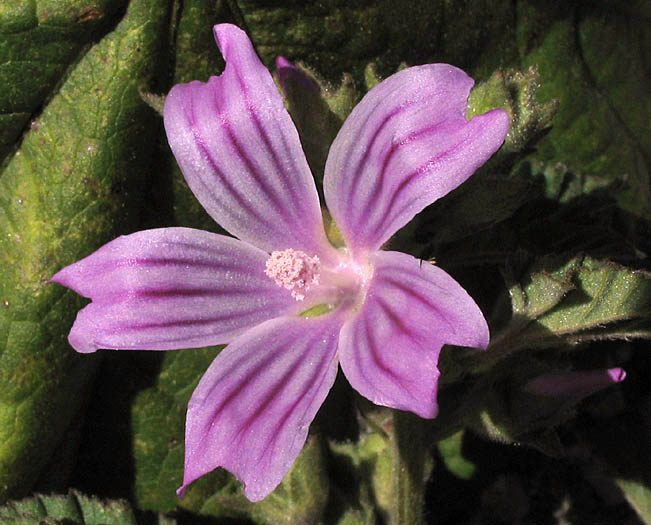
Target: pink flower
405	145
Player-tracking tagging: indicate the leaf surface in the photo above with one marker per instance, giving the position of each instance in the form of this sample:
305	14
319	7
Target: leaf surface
76	181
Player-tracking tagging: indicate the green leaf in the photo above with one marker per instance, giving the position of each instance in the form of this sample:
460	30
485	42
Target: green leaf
358	32
494	409
590	57
451	452
409	469
39	39
300	498
543	288
638	494
559	302
98	147
515	92
76	181
574	212
497	190
605	293
382	476
562	186
362	485
75	508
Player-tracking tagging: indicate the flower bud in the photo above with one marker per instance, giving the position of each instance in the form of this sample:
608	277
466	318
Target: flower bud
576	385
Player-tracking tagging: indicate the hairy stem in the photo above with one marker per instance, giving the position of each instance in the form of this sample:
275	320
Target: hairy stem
408	469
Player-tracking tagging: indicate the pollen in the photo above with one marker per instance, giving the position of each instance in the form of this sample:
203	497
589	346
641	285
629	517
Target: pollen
293	270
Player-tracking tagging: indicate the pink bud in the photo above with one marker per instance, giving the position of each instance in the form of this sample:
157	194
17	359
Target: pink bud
574	384
286	70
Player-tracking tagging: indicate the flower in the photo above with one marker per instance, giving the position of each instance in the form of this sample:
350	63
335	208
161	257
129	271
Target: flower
406	144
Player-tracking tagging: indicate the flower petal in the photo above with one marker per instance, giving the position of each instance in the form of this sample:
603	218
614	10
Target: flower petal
251	411
389	351
241	155
171	288
405	145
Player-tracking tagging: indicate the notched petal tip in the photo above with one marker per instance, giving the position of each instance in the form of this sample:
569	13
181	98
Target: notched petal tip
171	288
69	277
81	344
407	143
425	410
254	424
499	123
224	33
389	351
83	334
240	153
254	492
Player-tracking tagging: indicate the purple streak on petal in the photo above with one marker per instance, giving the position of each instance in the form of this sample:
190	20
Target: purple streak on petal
389	351
171	288
575	385
252	409
241	155
405	145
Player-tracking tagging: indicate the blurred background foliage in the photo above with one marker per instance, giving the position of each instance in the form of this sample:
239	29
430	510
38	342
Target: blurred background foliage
551	237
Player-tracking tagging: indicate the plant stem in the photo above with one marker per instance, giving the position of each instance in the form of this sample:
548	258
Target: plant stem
408	469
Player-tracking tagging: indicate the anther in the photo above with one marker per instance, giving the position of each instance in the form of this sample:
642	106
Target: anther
293	270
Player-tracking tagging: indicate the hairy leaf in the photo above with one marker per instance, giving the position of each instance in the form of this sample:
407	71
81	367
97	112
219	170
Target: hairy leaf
39	39
74	508
601	294
559	303
75	183
451	452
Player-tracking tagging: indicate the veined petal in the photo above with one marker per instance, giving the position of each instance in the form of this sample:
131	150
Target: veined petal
405	145
241	155
389	351
171	288
251	411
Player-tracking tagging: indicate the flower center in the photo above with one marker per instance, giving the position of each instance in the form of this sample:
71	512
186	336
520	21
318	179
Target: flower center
293	270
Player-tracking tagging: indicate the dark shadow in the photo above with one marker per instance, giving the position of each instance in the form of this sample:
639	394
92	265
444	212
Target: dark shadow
337	421
105	460
515	484
591	223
